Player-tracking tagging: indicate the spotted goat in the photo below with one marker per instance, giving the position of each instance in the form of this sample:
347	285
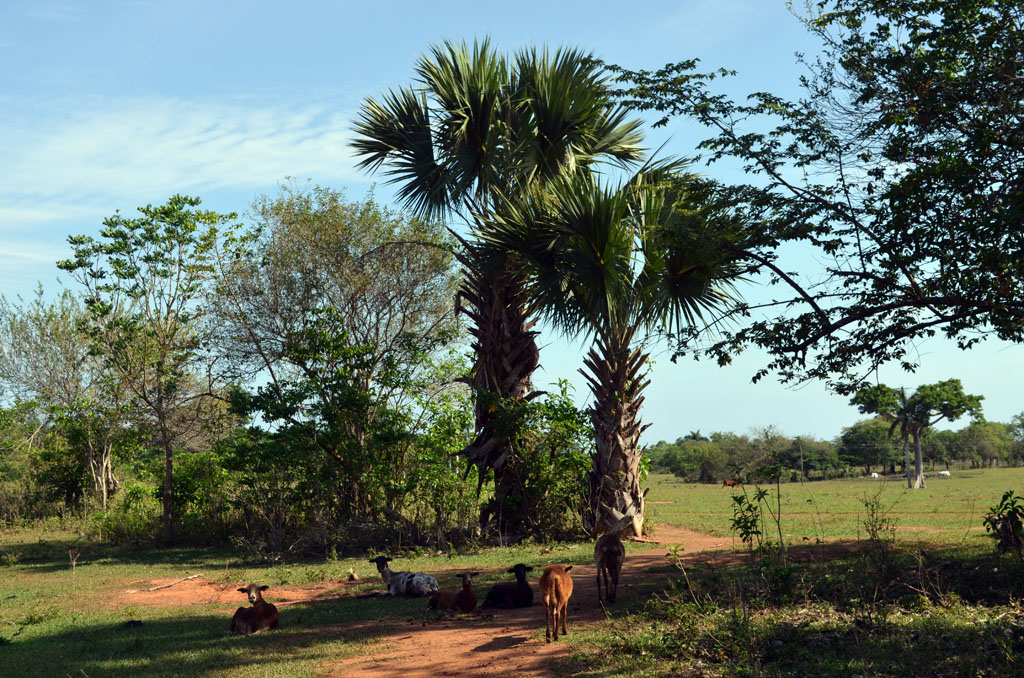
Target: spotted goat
410	584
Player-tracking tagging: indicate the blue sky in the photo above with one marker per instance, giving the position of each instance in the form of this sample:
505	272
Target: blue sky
109	105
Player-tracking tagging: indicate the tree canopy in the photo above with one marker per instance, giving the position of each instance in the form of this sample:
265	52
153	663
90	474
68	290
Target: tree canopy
911	415
900	166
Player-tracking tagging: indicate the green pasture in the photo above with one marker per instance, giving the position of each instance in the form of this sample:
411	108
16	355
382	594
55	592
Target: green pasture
57	621
62	620
947	511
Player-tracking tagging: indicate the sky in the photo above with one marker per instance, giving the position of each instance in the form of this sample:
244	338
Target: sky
107	105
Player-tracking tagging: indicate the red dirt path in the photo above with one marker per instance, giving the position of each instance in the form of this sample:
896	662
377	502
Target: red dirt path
505	642
484	643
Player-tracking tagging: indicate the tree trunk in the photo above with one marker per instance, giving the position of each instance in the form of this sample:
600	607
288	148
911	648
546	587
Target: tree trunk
918	462
616	501
506	356
906	462
168	485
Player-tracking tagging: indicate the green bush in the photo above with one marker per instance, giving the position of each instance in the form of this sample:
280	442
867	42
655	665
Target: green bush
201	501
556	444
133	518
1005	523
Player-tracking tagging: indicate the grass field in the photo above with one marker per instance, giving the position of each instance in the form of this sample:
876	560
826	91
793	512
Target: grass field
59	620
947	511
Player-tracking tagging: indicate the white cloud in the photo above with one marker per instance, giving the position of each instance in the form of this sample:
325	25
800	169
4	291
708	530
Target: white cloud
65	12
64	157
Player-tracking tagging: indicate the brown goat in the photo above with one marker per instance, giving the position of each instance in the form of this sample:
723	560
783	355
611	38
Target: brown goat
609	554
463	599
555	589
262	616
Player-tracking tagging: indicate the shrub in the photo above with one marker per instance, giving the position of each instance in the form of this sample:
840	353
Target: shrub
201	503
133	518
1005	523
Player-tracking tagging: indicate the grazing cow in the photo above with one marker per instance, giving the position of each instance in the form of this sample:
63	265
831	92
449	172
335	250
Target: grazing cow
729	482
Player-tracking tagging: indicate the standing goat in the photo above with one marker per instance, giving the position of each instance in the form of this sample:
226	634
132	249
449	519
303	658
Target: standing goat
508	594
609	554
555	589
463	599
262	616
415	584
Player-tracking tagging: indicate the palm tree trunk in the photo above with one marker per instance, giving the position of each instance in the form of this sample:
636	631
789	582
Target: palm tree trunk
506	356
616	500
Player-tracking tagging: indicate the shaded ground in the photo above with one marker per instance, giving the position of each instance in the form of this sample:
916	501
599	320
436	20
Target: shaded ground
511	642
483	643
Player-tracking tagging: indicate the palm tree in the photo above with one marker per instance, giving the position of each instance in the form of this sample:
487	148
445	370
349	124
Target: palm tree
613	265
474	129
911	415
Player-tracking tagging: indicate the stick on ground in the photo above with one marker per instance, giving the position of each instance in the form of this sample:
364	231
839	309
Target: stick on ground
166	586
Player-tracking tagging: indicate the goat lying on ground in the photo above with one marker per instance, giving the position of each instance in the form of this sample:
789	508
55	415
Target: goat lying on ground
463	599
555	589
262	616
509	594
404	583
608	554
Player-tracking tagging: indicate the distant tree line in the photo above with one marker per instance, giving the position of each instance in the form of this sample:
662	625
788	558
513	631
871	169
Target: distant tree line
862	448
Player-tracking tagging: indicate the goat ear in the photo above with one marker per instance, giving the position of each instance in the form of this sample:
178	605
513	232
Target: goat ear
512	570
243	590
264	587
474	574
568	568
528	568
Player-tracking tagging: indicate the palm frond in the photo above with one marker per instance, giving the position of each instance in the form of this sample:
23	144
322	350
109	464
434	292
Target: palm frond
395	135
606	261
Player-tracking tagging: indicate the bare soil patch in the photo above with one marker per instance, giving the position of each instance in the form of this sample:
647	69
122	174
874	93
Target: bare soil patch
490	643
202	592
484	643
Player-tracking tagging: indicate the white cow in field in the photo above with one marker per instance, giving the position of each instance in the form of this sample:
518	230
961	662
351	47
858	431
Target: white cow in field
874	475
945	474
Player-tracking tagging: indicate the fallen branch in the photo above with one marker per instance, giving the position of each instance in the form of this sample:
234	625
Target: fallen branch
166	586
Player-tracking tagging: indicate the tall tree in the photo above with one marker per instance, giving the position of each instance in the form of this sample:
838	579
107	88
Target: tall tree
911	415
144	281
901	166
610	264
312	258
338	313
45	357
867	443
476	128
